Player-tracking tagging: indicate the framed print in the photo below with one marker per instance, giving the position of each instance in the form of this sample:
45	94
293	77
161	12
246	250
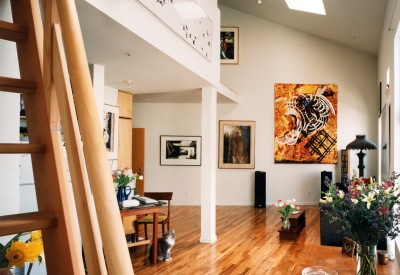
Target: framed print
348	246
110	130
180	150
229	45
236	144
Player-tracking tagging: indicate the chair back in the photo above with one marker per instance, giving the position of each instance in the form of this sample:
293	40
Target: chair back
161	196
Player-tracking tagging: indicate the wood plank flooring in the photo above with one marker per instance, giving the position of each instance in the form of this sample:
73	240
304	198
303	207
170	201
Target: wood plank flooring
247	243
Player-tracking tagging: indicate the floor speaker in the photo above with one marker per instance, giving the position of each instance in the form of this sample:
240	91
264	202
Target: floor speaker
325	188
260	189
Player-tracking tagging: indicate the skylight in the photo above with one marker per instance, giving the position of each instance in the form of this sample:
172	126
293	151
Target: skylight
313	6
188	9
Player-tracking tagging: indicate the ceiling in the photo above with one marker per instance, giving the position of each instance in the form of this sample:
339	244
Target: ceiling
357	24
159	79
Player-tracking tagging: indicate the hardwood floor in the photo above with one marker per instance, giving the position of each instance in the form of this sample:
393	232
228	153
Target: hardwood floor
247	243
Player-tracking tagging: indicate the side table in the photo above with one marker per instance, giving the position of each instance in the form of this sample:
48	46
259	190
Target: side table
297	223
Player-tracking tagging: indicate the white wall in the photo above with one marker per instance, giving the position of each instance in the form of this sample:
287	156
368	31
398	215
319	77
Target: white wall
269	53
388	53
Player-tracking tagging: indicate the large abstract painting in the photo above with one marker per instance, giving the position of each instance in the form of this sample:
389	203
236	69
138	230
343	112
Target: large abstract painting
305	123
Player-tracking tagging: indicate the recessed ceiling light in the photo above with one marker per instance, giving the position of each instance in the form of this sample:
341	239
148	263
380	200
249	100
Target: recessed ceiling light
313	6
128	82
258	1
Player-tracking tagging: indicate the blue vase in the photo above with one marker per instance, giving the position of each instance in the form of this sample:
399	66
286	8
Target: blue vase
121	193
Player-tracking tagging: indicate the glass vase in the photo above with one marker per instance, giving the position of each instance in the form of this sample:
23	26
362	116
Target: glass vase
18	271
285	223
366	259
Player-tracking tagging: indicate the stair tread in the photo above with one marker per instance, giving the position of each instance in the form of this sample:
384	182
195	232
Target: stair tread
17	148
13	32
24	222
15	85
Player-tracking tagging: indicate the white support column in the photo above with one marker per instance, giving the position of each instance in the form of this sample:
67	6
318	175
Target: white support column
97	74
208	164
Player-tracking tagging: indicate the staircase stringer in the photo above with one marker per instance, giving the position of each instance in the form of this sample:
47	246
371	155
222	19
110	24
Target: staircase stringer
53	194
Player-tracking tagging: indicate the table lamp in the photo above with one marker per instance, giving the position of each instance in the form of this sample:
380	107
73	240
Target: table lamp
361	143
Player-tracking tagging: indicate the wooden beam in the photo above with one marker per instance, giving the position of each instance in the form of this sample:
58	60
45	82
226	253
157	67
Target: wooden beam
10	148
12	224
15	85
13	32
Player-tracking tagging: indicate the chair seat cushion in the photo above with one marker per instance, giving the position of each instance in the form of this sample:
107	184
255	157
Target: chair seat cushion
149	219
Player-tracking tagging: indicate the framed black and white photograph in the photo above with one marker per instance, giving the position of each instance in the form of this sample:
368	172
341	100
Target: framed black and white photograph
236	144
180	150
229	45
110	130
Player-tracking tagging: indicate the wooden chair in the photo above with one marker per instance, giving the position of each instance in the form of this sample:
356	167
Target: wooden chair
162	218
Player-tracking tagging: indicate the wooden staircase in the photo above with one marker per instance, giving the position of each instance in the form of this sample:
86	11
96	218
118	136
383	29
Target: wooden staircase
48	99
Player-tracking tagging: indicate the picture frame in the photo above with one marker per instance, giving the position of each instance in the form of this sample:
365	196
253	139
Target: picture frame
180	150
236	144
229	45
348	246
110	130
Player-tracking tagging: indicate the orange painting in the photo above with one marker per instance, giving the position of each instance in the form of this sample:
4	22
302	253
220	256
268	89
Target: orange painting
305	123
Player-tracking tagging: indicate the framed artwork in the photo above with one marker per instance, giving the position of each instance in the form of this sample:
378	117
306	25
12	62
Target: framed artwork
180	150
348	246
110	130
305	123
236	144
229	45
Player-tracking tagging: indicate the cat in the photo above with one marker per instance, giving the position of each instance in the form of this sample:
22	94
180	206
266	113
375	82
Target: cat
164	246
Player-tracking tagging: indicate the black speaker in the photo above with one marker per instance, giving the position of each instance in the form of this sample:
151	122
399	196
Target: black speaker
260	189
325	188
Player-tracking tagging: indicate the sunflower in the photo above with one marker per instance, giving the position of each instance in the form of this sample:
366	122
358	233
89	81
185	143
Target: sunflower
33	251
16	254
35	235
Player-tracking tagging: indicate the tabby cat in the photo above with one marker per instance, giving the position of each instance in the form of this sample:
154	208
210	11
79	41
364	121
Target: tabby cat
164	246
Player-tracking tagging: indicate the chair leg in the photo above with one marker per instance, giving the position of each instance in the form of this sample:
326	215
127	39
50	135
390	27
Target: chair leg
145	231
136	231
168	225
163	229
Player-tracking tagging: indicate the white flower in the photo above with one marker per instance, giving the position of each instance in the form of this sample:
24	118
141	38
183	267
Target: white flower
355	201
292	205
328	199
294	200
388	191
322	201
368	199
341	194
359	187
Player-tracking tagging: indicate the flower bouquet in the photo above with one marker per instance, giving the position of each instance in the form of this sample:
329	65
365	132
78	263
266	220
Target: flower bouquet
367	212
286	209
123	176
15	253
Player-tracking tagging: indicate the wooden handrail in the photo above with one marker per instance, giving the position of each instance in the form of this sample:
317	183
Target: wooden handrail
86	211
112	232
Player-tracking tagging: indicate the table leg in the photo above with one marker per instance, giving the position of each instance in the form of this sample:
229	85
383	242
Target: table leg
155	236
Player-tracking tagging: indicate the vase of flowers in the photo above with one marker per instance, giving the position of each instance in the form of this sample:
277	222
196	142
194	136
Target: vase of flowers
121	178
15	253
366	211
286	209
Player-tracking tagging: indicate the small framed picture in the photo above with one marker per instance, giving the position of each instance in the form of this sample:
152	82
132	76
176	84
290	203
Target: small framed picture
110	130
229	45
348	246
180	150
236	144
